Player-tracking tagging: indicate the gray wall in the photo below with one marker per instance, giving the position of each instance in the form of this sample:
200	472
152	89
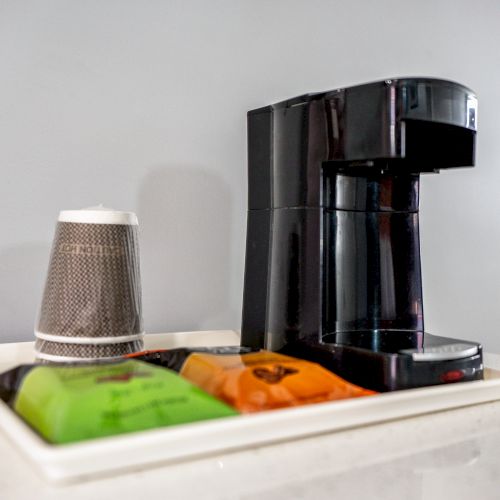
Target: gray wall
141	105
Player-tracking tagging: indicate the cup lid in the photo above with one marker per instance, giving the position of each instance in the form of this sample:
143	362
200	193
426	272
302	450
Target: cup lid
99	215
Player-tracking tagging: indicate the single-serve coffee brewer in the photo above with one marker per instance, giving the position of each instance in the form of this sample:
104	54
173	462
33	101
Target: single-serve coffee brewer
333	256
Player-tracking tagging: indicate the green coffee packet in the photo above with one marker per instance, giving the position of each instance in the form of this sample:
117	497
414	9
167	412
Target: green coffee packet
73	403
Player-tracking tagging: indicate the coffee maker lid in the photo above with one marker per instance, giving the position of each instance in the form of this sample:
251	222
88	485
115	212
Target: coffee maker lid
99	215
407	98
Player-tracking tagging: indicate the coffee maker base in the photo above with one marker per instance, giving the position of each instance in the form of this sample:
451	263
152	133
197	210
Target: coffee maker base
389	360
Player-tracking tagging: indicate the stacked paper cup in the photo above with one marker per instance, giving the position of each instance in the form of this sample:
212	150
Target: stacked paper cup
91	306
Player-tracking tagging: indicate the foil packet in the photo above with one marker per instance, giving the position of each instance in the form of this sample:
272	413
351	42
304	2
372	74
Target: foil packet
252	380
66	404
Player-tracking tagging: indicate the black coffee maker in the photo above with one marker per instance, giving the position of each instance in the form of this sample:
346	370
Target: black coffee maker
333	256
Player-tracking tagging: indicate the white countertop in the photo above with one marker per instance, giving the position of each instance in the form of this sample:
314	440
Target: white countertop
453	454
450	454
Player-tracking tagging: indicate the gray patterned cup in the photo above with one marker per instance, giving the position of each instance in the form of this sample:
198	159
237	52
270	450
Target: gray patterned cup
92	296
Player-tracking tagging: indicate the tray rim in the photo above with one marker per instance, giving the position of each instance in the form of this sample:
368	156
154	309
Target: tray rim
104	456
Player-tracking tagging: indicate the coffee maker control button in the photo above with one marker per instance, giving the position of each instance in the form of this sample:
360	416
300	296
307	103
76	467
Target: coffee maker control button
443	352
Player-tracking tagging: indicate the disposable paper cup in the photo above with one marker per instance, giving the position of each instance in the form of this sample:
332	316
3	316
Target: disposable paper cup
93	290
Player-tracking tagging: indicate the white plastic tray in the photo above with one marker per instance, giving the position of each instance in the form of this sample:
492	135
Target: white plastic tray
129	451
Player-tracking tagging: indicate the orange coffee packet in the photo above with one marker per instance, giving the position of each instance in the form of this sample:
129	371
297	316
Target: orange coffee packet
266	380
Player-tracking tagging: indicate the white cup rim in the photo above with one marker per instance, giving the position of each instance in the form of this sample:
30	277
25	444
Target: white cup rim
61	339
73	359
99	215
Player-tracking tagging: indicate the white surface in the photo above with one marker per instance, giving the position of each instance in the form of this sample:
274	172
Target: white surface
98	215
142	105
451	454
135	450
